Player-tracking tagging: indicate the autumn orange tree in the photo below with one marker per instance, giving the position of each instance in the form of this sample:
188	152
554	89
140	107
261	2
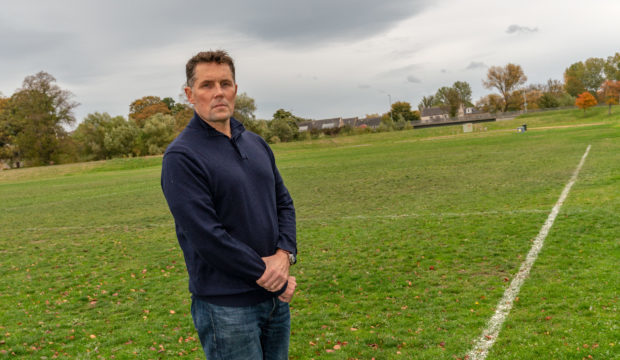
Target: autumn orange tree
609	93
585	100
145	107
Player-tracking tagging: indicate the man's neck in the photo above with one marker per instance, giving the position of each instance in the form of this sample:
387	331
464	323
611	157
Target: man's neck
221	126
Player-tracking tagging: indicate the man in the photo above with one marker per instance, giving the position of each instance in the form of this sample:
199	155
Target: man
234	220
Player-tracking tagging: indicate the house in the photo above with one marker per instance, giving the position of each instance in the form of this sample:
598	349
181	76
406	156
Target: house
352	122
305	125
327	123
372	122
433	114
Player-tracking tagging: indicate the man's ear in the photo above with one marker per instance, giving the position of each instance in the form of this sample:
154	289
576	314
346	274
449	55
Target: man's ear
188	93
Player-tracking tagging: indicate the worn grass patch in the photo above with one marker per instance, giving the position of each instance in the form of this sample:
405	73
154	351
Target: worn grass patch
407	241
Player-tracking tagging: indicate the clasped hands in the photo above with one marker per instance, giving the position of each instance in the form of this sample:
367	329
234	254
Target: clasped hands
276	275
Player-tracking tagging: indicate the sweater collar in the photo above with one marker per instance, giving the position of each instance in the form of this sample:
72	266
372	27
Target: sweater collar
236	127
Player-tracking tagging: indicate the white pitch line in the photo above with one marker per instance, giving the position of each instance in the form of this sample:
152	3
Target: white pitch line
490	333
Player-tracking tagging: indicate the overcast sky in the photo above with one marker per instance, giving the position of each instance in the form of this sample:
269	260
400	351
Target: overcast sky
316	58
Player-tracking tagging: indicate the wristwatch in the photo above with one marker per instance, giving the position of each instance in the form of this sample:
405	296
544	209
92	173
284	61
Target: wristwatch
292	259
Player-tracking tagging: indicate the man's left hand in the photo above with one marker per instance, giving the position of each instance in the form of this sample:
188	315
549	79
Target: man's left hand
276	273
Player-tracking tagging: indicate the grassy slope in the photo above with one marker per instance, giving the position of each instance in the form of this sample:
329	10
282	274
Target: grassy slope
406	241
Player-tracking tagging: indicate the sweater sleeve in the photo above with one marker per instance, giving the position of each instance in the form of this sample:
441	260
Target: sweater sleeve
186	189
287	238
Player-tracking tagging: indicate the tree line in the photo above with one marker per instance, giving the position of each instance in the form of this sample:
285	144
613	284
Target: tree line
34	120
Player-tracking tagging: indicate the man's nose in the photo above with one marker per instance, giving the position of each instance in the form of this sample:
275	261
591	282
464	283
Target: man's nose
218	90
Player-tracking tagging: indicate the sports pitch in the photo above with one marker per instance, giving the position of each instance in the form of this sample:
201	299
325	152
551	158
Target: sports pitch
407	242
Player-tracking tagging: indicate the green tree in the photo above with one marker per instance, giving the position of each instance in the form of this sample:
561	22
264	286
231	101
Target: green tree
90	135
280	129
573	79
612	67
122	138
401	110
584	76
284	126
426	102
505	79
35	117
448	98
157	133
244	108
464	91
101	136
593	74
547	100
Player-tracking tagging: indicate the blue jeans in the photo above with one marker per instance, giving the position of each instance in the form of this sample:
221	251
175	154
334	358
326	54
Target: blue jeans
257	332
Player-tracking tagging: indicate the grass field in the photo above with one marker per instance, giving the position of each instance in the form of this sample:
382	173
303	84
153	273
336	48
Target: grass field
407	242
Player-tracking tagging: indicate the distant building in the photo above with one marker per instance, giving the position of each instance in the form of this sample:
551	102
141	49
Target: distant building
372	122
433	114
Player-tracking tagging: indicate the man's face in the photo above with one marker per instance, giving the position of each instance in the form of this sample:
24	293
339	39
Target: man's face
213	92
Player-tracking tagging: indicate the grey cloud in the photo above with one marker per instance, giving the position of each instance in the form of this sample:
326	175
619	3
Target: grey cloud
20	44
363	86
309	22
475	65
444	71
520	29
413	79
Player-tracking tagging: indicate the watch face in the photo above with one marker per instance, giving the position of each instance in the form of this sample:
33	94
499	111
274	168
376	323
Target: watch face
292	259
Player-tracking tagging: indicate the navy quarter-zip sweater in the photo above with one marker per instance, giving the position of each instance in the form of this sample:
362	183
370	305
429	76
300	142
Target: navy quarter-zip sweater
230	208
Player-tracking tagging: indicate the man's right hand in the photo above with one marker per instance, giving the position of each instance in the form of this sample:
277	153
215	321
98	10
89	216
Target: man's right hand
276	271
287	295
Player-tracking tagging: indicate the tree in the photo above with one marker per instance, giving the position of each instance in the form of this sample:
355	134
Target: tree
573	79
122	137
491	103
426	102
101	136
593	74
584	76
182	114
448	99
147	106
157	133
612	67
90	135
284	126
609	92
585	100
402	109
547	100
35	117
505	79
244	108
451	99
464	91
